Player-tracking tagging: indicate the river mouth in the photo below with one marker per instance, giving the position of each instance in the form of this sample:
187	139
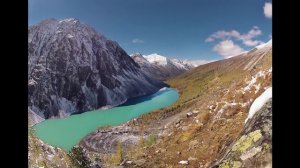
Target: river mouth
67	132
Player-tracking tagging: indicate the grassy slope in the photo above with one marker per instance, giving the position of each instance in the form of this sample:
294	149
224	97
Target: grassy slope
201	88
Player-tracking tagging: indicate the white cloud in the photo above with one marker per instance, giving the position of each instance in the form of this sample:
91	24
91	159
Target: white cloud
252	42
268	10
255	31
136	40
228	49
223	35
246	38
209	39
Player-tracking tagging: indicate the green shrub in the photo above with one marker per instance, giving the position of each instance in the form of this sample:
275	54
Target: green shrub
78	158
150	140
118	156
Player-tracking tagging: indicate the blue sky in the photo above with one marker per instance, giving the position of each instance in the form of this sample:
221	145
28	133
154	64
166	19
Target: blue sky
185	29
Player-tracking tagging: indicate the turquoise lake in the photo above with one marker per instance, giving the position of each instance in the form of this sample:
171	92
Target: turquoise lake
67	132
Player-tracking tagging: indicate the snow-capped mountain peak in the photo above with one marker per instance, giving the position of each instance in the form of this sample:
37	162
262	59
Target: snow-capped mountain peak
69	20
183	64
156	59
161	67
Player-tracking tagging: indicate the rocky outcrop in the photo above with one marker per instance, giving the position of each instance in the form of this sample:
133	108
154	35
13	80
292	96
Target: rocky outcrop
72	68
253	148
33	118
41	154
105	140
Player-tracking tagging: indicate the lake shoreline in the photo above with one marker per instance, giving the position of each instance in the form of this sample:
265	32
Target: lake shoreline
68	131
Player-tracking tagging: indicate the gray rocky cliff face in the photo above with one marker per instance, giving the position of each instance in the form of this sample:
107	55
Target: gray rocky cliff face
253	148
72	68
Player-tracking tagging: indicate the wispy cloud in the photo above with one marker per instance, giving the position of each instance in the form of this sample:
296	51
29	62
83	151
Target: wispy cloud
222	34
227	48
209	39
137	41
268	10
247	38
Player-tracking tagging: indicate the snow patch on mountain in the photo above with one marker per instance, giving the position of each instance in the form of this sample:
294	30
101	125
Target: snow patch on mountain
259	102
70	20
267	44
70	36
253	82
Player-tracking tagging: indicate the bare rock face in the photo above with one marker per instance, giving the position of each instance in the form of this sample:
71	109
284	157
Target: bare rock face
253	148
33	118
105	140
72	69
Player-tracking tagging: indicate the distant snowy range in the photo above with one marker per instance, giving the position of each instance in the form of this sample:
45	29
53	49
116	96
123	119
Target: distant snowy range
162	67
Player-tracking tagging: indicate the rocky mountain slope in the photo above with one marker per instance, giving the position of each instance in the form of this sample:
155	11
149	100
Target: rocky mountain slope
161	67
33	118
253	147
218	121
43	155
72	68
